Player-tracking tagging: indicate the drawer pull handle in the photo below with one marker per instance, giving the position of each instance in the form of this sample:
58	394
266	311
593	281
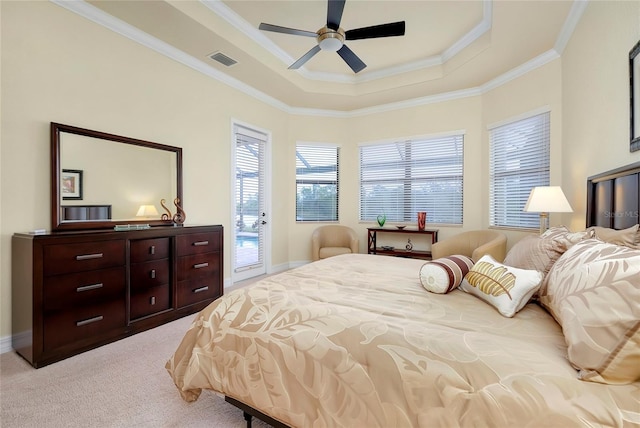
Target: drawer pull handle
89	287
89	321
152	250
200	265
153	274
200	243
89	256
201	289
153	300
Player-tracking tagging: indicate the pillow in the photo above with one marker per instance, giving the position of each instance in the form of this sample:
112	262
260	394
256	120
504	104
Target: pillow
593	291
564	234
506	288
535	253
628	237
444	274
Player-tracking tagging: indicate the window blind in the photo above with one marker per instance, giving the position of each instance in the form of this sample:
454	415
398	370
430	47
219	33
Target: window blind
317	182
401	178
519	162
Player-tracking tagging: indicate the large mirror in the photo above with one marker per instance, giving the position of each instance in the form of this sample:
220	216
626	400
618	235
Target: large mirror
100	180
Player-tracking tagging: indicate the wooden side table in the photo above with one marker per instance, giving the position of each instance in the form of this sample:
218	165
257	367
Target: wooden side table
400	252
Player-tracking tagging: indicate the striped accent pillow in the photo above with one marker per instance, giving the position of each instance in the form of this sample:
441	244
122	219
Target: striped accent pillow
444	274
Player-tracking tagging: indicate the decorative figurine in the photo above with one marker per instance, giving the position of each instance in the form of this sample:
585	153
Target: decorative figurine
409	245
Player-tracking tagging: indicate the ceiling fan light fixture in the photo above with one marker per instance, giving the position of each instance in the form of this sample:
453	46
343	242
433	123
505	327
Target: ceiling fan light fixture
330	40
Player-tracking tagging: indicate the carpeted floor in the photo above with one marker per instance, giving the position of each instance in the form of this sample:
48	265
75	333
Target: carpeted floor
123	384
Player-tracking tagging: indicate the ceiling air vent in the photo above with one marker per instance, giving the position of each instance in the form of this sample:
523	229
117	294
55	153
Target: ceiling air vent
223	59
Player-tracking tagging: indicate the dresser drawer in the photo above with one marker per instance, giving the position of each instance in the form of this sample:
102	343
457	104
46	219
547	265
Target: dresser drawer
150	274
197	243
67	258
83	289
198	266
82	323
149	249
197	290
149	301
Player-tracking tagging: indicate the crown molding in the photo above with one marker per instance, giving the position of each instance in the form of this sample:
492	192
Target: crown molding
577	9
100	17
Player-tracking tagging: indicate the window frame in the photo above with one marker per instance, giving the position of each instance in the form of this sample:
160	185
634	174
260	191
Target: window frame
314	146
513	199
413	197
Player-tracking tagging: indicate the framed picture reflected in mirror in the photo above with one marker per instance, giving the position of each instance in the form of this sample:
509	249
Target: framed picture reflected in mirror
71	184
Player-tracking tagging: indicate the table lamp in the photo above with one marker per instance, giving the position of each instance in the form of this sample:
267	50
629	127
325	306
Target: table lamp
147	211
545	200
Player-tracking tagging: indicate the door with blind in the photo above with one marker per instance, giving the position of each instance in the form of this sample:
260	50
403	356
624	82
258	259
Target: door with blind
251	225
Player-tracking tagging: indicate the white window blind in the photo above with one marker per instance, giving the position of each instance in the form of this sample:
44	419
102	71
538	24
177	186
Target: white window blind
519	162
401	178
317	182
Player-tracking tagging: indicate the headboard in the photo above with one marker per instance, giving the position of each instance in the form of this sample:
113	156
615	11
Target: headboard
613	198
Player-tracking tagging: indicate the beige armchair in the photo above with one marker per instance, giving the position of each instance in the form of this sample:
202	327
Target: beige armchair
474	244
333	240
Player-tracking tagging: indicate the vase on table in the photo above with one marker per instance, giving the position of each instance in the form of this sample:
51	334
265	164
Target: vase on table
381	219
422	219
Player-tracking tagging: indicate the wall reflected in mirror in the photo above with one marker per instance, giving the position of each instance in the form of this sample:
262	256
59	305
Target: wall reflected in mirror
100	180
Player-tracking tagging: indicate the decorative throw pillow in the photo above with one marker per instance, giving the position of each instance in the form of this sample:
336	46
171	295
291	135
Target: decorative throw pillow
535	253
628	237
506	288
444	274
593	291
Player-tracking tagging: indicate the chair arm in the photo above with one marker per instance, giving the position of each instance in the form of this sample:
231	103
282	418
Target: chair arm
496	249
449	247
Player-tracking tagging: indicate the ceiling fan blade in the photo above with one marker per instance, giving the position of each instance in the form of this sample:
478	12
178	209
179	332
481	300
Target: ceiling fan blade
286	30
351	59
383	30
306	57
334	13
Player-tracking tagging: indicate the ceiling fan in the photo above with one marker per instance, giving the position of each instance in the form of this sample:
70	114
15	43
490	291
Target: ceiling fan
331	37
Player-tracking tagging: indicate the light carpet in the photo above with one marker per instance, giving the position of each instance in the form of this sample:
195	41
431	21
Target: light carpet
122	384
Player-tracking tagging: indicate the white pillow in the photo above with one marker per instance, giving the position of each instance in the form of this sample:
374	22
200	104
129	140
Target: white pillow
444	274
504	287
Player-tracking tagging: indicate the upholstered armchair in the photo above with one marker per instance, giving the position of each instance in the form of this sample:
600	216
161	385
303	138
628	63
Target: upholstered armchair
474	244
333	240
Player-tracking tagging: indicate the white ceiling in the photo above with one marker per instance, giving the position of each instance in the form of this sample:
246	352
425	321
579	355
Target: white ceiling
451	48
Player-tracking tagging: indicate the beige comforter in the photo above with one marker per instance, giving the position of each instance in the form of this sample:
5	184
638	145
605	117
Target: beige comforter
355	341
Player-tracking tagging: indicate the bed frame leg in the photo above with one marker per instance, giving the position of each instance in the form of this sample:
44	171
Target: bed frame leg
247	417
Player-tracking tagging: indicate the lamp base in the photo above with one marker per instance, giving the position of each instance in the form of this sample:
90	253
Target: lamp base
543	222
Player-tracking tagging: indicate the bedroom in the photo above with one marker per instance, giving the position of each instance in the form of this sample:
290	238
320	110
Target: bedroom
50	74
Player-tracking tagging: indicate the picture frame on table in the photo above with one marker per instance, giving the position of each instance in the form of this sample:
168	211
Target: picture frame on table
71	184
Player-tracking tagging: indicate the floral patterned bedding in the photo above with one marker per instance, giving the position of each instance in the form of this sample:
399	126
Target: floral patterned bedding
356	341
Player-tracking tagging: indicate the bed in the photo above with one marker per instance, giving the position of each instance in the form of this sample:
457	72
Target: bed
357	341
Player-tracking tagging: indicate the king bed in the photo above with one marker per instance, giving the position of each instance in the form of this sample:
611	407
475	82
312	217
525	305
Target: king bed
363	341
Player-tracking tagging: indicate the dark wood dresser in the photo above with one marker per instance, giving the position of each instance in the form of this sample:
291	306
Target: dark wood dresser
74	291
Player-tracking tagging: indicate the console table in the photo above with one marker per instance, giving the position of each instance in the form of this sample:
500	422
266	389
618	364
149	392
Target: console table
400	252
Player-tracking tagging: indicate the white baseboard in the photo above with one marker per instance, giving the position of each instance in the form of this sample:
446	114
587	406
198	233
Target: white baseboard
5	344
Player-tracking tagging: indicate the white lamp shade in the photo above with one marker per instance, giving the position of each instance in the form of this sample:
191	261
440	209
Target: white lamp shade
547	199
147	211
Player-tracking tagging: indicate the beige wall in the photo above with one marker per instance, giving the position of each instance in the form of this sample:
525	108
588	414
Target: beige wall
106	82
595	94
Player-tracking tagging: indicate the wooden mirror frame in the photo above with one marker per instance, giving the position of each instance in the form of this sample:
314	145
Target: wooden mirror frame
634	96
57	223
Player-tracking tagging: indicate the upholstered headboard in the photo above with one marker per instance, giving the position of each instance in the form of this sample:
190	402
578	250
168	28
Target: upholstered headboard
613	198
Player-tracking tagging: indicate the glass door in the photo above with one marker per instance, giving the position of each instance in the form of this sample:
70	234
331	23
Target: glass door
250	210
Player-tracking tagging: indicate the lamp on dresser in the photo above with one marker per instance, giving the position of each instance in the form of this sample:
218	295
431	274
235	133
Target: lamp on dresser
545	200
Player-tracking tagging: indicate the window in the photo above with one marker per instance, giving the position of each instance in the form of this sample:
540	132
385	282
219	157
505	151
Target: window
401	178
316	182
519	162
